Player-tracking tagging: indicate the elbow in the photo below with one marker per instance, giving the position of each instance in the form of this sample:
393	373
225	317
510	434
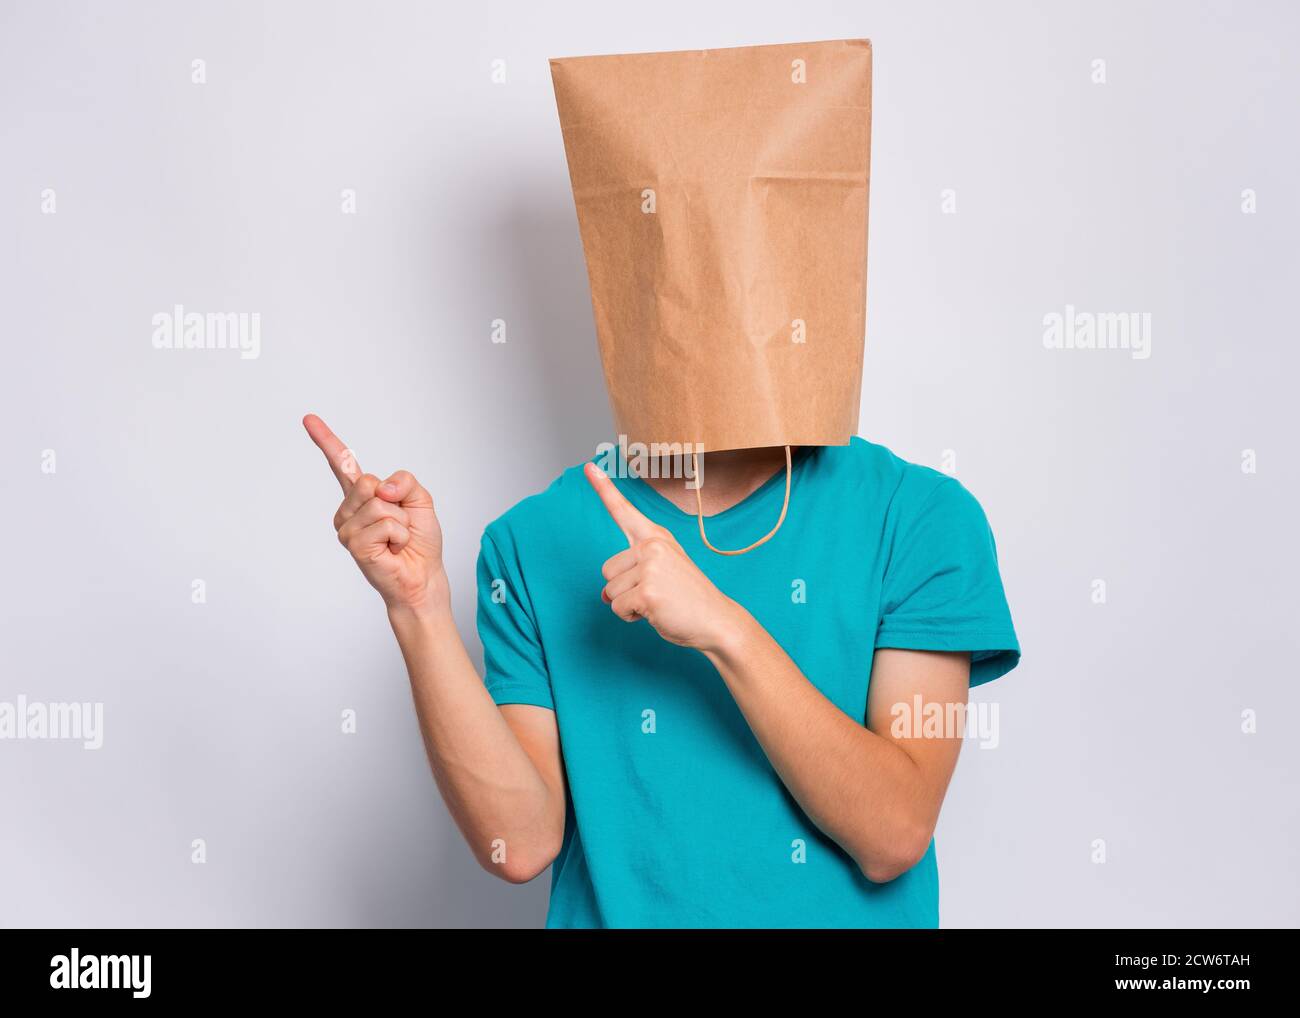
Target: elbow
883	871
889	863
517	873
521	865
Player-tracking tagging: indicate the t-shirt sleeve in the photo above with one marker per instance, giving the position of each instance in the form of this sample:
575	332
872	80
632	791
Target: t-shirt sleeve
514	664
942	588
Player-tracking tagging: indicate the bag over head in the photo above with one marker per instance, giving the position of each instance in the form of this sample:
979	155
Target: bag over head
722	202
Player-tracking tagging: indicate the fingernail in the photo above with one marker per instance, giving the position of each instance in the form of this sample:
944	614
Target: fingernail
388	488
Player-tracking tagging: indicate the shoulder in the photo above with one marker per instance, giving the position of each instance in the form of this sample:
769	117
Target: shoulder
905	490
539	515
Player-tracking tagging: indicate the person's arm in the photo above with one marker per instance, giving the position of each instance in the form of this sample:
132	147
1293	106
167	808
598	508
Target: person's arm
877	795
498	769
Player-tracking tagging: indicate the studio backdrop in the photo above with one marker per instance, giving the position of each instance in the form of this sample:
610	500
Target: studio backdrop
1082	249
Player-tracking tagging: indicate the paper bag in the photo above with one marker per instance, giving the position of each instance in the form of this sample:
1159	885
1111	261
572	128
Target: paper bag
722	202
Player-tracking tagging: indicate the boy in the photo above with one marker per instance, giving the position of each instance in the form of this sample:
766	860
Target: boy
692	739
691	736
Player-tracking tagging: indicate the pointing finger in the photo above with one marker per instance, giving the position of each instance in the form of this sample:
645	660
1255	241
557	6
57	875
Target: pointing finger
338	455
634	525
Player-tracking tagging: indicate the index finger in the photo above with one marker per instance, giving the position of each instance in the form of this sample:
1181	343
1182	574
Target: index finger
338	455
629	519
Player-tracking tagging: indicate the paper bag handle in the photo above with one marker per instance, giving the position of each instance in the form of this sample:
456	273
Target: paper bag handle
699	502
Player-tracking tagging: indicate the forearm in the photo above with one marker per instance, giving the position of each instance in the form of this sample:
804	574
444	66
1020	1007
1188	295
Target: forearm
860	789
491	786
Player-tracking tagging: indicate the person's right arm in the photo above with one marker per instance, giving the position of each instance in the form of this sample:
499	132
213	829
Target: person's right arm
499	769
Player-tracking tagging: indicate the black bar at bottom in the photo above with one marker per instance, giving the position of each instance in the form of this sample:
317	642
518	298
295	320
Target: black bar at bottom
92	968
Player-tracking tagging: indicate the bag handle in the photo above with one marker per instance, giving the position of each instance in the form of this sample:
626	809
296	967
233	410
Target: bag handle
699	502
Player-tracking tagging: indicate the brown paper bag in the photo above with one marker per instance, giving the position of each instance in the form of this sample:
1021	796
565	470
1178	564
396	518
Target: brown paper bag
722	202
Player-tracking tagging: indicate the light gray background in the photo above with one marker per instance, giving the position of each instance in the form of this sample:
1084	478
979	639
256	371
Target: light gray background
223	720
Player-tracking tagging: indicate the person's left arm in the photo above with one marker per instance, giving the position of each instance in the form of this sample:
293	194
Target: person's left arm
874	792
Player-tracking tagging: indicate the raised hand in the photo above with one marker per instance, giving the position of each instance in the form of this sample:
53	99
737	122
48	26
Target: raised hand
655	580
389	527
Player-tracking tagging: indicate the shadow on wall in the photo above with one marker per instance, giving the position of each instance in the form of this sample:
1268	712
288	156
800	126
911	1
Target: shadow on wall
557	389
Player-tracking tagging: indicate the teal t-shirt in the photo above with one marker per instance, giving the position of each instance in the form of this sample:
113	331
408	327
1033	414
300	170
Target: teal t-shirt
675	816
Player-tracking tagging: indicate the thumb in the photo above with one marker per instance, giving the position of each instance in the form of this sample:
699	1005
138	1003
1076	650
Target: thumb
403	489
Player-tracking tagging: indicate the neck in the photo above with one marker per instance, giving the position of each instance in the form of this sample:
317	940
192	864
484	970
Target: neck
728	478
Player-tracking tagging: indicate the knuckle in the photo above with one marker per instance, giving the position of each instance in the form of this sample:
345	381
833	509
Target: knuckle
657	547
377	510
